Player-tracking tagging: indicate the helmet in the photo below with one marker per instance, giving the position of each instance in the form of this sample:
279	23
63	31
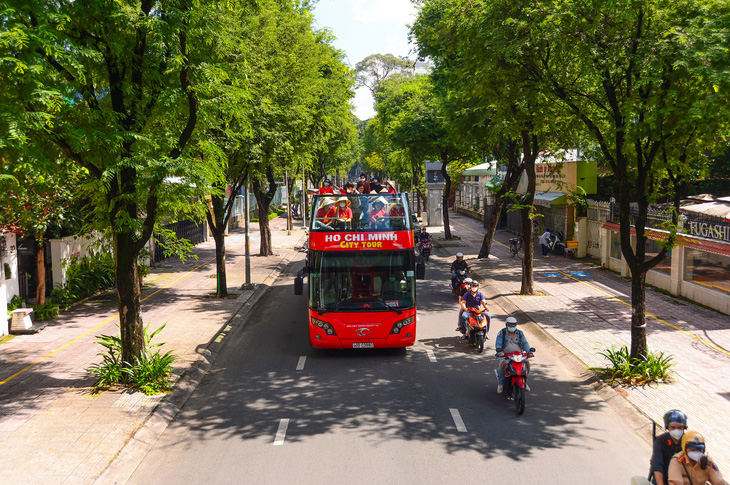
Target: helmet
468	281
474	283
459	254
511	321
675	416
692	440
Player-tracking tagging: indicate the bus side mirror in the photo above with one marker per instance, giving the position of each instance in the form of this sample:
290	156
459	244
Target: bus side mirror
420	269
298	285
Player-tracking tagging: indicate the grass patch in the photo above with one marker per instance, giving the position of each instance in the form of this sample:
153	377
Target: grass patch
654	367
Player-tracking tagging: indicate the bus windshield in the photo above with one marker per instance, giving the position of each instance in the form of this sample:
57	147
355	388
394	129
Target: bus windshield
362	280
360	213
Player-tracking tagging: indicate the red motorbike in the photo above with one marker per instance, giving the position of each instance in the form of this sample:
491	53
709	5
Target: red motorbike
477	327
461	275
425	248
515	377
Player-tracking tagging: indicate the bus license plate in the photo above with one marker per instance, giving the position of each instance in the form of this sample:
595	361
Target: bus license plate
363	345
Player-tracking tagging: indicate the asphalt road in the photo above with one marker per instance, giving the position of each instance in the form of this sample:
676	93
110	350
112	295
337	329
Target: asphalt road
274	410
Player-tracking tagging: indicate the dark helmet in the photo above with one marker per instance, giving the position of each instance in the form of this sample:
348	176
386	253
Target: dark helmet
675	416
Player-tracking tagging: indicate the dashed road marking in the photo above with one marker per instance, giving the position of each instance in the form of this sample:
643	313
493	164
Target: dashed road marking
281	432
431	356
457	420
302	360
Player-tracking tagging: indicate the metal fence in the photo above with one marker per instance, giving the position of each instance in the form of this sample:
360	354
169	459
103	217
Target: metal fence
187	229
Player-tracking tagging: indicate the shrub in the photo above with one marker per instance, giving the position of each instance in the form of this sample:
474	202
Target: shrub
150	374
85	277
15	303
652	367
45	311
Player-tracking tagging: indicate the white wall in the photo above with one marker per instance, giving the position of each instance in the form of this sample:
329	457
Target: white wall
67	247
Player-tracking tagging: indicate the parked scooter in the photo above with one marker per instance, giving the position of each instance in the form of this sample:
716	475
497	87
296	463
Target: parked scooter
461	275
515	377
477	327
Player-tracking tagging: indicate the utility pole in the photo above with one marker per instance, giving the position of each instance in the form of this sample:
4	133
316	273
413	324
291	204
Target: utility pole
247	218
288	203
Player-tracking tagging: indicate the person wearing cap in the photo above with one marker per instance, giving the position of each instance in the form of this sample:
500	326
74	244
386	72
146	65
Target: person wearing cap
456	266
666	445
377	212
545	242
364	182
692	465
509	339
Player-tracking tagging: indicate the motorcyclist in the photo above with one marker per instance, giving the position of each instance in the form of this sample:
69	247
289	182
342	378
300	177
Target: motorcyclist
692	466
457	265
473	299
509	339
462	292
423	238
666	445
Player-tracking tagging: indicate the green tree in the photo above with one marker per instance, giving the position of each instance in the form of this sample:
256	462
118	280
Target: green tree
376	68
38	197
113	87
648	81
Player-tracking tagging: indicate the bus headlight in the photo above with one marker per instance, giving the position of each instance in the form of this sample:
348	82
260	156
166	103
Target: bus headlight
324	326
402	323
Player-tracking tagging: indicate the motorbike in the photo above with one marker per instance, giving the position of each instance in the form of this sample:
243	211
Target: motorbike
461	275
425	249
515	377
477	327
557	244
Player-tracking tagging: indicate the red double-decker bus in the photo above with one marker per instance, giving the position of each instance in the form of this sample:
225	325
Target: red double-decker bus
362	270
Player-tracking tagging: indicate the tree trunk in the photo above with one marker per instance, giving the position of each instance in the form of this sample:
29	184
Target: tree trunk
493	221
263	200
529	150
220	264
40	287
638	315
130	308
447	192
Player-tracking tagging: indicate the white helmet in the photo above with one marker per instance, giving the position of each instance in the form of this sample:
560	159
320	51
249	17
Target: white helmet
511	321
459	254
468	281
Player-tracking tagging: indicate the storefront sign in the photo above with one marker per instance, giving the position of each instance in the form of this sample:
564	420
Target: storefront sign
710	231
353	241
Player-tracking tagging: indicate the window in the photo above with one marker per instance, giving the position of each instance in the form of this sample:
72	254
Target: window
652	249
707	269
380	212
615	245
362	280
476	178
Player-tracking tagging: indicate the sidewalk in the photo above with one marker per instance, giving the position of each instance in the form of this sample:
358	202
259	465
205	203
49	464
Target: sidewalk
52	429
590	309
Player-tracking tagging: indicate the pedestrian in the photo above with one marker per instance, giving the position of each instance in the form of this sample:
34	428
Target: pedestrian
545	242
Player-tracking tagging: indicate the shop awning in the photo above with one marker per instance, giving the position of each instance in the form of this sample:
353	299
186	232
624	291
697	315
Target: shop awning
546	199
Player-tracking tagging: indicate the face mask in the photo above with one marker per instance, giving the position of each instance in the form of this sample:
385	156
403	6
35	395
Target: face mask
343	204
326	184
467	287
391	279
511	329
695	455
474	289
676	433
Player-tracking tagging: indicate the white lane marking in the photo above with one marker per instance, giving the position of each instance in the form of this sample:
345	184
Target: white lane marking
457	420
281	432
302	360
431	357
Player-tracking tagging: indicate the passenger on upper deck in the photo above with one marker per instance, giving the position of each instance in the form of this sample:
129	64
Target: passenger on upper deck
326	187
377	212
326	212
